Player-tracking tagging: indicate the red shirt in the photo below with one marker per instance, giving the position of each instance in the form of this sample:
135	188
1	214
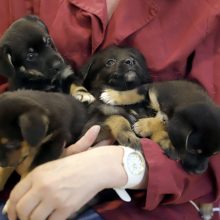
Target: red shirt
179	39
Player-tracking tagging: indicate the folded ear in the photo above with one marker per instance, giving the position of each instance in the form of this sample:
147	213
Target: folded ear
6	66
36	19
86	68
34	126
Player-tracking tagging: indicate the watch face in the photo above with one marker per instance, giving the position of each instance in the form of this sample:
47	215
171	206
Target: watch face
136	163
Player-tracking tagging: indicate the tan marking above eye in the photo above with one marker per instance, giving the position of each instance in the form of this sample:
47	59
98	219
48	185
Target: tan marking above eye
4	140
31	49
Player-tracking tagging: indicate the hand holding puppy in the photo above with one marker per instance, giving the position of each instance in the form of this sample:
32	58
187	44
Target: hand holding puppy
65	185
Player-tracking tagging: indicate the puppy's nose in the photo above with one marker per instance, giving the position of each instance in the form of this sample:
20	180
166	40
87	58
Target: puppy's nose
129	61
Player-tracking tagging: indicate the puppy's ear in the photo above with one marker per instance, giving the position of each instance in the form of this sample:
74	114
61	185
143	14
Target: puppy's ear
87	67
6	66
34	126
146	76
88	73
36	19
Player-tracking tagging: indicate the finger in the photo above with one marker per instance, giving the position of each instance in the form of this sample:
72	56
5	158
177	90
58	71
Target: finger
104	143
59	214
26	205
42	211
85	142
16	194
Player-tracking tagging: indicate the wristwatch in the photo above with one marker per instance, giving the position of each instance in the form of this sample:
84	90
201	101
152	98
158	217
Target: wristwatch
135	166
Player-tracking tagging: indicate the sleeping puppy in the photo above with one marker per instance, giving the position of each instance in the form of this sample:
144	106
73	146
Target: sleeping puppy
192	118
30	60
116	68
35	126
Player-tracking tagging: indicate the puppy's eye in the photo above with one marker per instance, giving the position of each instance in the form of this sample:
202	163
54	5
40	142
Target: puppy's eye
31	55
110	62
12	145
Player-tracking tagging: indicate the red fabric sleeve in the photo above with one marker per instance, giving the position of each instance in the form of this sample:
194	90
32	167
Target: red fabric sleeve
168	183
206	63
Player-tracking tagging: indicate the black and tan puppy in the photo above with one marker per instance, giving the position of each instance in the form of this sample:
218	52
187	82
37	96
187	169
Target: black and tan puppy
116	68
30	60
192	118
35	127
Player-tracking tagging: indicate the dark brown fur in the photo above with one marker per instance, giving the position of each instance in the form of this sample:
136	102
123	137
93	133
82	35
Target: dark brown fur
35	127
29	60
118	68
192	118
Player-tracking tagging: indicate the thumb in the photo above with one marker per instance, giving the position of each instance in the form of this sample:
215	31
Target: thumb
84	142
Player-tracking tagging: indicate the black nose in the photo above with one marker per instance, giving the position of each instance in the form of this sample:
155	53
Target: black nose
129	61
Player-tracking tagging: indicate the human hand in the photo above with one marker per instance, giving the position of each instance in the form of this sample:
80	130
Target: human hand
86	142
59	188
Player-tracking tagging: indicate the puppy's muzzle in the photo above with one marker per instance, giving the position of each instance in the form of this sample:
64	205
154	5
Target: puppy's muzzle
195	164
130	76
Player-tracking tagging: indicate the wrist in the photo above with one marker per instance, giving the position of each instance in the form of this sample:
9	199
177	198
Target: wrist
109	166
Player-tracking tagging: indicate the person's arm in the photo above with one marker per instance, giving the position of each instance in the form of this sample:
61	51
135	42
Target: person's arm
59	188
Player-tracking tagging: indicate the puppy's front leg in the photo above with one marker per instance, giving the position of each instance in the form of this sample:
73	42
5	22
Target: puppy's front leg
5	173
81	93
121	131
155	129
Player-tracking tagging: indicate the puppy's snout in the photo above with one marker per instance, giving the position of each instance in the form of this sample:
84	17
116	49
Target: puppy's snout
129	61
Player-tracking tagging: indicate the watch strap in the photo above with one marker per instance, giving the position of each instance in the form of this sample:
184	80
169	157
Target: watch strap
133	179
122	193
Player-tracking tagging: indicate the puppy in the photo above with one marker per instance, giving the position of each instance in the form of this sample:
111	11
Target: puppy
116	68
30	60
192	118
35	126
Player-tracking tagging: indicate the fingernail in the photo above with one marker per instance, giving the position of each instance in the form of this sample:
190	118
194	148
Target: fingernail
96	128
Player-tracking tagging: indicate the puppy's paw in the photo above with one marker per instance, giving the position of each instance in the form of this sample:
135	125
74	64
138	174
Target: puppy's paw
84	96
80	93
110	96
129	139
143	127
